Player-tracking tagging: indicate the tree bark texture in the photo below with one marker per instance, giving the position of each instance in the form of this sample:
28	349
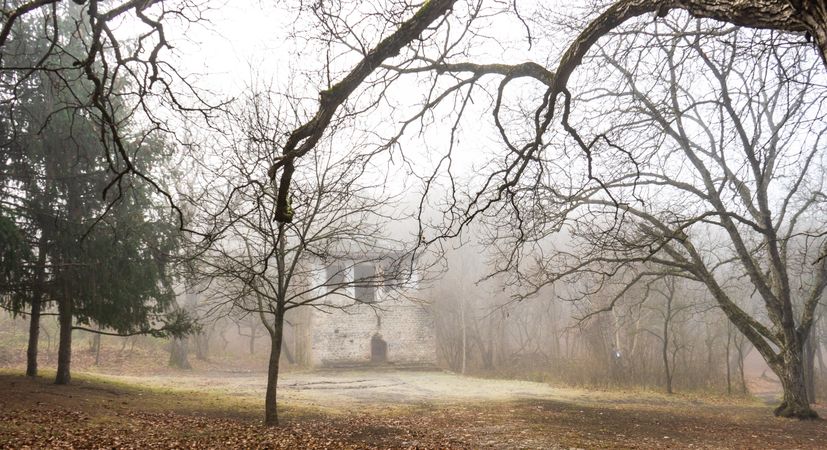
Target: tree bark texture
271	416
64	351
34	336
795	403
37	306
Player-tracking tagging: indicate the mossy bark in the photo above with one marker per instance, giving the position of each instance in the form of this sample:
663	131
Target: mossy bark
795	403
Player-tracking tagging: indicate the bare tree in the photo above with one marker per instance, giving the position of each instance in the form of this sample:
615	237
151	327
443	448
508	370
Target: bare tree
249	326
264	268
519	184
668	312
715	174
434	55
108	59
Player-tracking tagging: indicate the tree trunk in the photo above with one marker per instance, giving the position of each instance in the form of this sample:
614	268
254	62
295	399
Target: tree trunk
224	341
742	355
617	370
64	351
48	343
791	373
96	346
287	353
809	369
34	336
178	353
37	306
744	390
666	369
271	416
464	335
665	349
202	346
728	360
710	345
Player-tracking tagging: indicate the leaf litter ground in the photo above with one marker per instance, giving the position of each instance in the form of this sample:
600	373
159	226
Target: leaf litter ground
375	409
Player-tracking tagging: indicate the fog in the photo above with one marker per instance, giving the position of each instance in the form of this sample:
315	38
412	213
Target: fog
396	224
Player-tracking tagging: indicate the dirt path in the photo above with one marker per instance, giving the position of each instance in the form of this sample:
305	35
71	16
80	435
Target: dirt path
334	389
354	387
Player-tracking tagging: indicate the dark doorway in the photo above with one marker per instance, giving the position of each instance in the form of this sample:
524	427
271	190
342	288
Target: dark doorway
378	349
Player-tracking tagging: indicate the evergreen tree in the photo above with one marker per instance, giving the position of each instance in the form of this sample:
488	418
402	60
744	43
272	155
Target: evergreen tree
13	254
101	259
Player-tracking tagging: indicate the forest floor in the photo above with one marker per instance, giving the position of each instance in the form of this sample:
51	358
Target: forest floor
375	409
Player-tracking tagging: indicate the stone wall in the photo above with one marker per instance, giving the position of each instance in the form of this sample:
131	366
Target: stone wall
343	335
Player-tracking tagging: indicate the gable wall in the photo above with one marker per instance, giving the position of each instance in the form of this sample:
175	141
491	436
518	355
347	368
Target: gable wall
343	336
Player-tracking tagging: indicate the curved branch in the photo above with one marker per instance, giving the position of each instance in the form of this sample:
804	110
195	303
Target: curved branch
305	137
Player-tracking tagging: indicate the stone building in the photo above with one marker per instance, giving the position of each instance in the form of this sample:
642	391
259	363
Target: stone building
362	323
